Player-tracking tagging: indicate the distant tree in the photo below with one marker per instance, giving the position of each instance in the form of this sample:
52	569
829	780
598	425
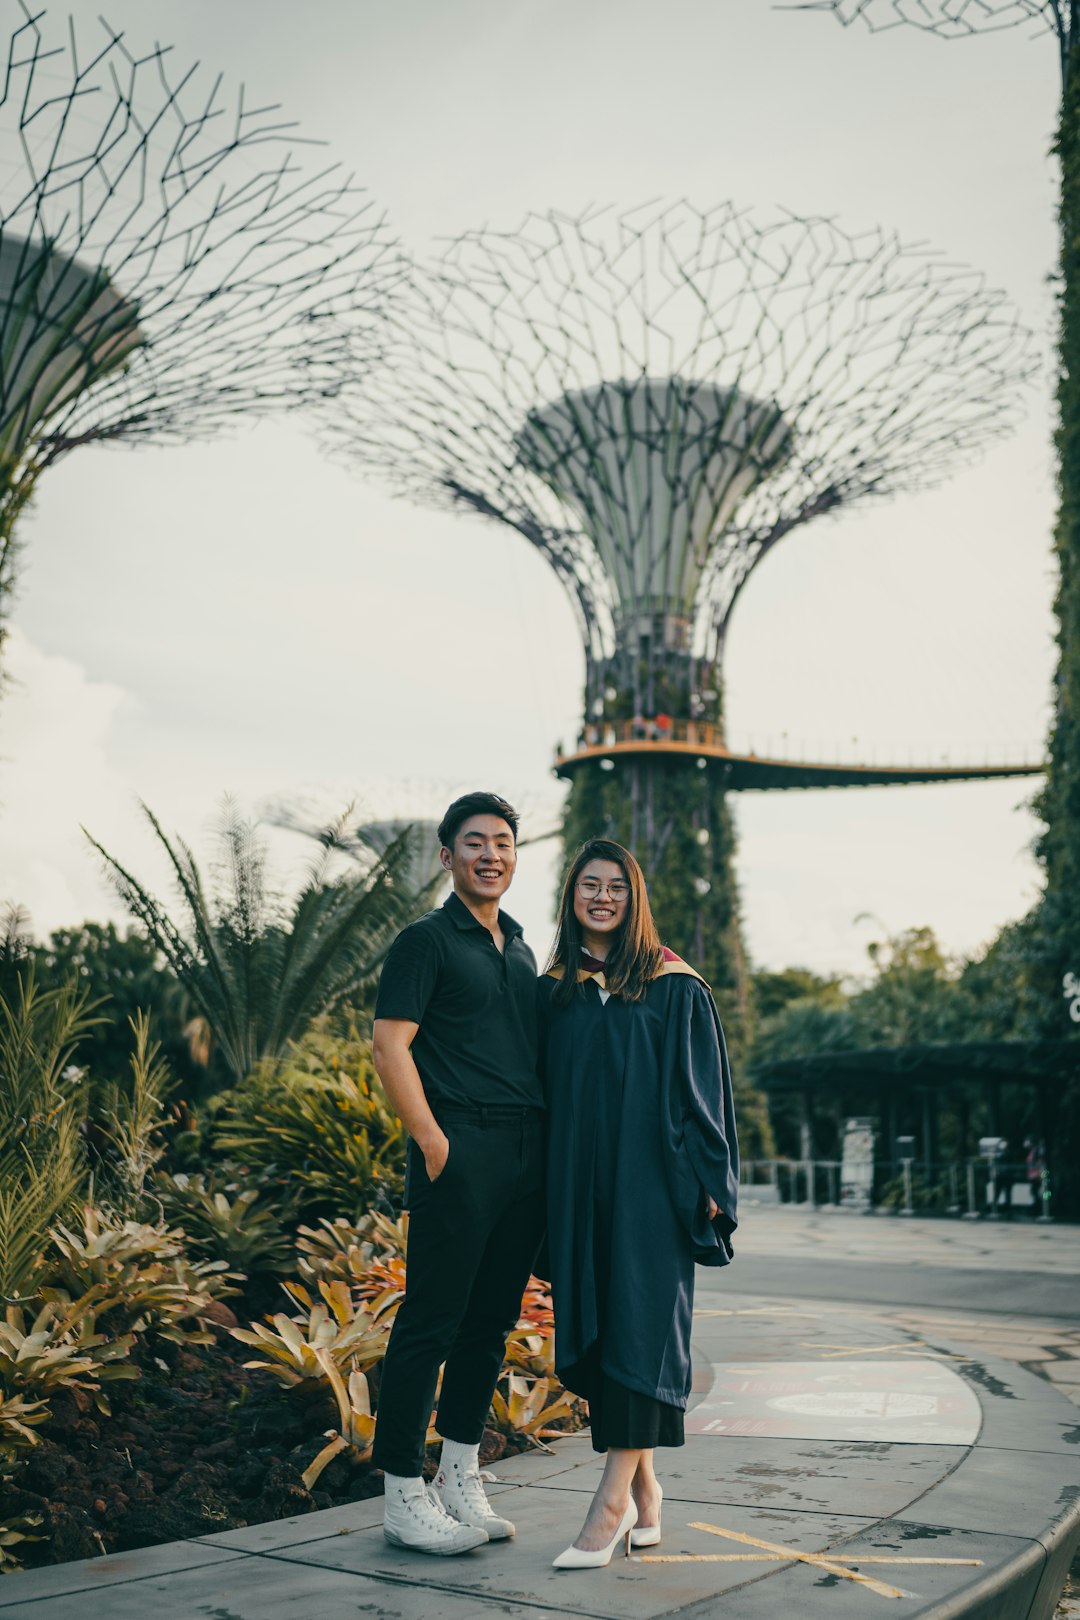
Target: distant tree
123	974
914	995
773	991
120	975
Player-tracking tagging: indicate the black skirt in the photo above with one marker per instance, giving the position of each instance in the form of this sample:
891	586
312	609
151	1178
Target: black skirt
629	1421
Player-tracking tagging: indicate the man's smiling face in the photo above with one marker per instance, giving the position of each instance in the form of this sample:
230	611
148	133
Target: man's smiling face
483	859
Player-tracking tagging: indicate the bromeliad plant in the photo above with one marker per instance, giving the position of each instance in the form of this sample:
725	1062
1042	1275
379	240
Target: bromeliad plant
136	1275
356	1430
346	1251
529	1398
19	1416
333	1327
337	1344
12	1532
58	1349
530	1406
241	1226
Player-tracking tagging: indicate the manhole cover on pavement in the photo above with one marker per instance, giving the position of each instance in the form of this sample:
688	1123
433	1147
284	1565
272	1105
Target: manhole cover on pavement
915	1400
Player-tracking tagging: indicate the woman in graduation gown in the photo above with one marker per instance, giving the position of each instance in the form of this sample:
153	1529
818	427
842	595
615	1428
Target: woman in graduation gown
642	1181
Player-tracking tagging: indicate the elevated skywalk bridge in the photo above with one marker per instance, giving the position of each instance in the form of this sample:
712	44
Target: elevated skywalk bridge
703	742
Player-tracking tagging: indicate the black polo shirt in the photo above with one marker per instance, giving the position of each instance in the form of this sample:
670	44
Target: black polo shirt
475	1005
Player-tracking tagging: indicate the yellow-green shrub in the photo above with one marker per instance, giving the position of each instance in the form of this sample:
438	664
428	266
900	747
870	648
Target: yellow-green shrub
318	1122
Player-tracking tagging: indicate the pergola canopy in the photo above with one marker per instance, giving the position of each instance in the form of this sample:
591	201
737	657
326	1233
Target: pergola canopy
936	1064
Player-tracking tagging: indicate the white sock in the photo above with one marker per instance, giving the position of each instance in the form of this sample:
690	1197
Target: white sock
399	1487
456	1455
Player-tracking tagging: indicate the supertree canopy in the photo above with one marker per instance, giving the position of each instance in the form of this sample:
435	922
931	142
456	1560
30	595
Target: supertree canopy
166	262
955	19
654	400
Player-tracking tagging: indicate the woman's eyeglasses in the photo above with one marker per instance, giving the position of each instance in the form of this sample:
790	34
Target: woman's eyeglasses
589	888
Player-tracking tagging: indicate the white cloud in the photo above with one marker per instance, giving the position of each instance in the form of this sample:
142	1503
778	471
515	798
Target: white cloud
56	724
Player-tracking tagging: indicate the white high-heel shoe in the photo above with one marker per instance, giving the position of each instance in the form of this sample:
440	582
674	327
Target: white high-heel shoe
649	1534
580	1558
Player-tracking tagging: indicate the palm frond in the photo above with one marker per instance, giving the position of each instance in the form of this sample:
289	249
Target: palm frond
258	970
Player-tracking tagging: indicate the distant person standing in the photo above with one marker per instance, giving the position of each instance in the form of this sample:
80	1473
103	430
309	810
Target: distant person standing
1035	1171
1004	1176
456	1049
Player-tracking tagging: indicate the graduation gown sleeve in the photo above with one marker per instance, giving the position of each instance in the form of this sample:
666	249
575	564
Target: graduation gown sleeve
701	1153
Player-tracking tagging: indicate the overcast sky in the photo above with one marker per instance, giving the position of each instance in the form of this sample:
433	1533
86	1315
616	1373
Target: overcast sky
245	617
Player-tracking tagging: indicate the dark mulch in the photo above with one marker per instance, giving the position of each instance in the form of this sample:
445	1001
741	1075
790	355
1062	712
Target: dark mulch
198	1443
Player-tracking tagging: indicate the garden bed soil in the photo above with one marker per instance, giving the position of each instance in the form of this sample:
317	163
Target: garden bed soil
197	1443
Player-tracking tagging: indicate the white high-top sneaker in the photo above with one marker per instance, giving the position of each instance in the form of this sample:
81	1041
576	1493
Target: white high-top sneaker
461	1492
419	1521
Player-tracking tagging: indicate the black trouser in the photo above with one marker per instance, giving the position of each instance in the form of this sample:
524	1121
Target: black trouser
473	1237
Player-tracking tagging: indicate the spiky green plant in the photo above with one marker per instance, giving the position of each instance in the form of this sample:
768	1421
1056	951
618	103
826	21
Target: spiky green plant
241	1225
42	1106
133	1120
259	968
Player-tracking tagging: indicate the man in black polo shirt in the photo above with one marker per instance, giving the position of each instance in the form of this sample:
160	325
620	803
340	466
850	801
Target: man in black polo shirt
455	1048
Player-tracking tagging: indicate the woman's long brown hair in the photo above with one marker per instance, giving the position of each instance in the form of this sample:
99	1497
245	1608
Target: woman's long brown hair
636	955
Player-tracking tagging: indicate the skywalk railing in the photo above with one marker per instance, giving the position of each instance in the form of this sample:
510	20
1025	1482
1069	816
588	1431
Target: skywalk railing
665	729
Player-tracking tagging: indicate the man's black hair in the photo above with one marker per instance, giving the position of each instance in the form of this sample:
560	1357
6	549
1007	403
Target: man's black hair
475	804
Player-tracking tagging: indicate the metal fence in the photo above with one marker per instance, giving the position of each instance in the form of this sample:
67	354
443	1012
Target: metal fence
970	1189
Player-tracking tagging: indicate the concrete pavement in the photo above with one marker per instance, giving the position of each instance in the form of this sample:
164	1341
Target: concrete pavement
841	1456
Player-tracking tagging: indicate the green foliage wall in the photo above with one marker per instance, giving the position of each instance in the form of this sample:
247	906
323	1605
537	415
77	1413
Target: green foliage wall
1059	805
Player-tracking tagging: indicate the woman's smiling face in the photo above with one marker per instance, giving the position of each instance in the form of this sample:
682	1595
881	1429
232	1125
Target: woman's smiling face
601	897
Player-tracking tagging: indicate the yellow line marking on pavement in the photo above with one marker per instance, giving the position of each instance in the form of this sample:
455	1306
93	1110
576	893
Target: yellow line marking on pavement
831	1566
771	1558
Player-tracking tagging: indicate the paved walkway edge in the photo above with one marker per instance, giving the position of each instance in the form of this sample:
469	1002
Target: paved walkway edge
1017	1488
1030	1438
1042	1417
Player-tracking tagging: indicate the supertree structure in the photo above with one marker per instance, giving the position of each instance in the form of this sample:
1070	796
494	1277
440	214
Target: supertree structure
654	400
956	19
1058	950
166	261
